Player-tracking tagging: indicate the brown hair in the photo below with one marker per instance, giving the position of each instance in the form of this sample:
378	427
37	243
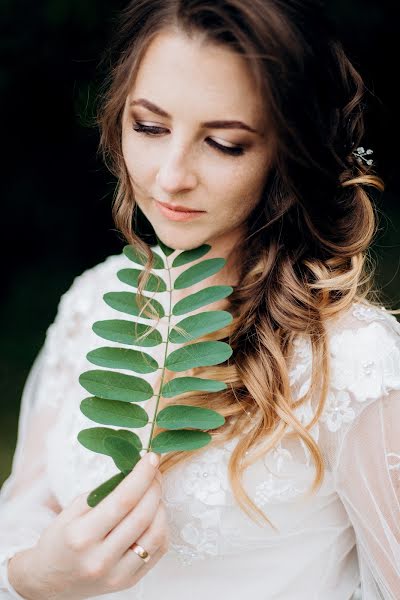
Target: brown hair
305	258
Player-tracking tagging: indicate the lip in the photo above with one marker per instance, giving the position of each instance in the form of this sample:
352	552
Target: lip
178	207
178	213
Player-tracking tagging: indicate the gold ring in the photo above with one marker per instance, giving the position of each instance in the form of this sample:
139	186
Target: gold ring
140	551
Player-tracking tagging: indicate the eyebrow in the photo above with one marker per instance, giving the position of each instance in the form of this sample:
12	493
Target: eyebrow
215	124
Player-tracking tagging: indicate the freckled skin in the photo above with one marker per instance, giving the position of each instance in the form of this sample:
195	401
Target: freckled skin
196	82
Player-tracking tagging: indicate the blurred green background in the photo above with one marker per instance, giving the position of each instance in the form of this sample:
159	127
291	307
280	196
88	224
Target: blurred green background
56	193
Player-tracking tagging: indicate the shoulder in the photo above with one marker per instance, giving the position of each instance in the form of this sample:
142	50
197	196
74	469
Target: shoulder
90	282
364	360
364	347
83	303
63	354
83	300
100	278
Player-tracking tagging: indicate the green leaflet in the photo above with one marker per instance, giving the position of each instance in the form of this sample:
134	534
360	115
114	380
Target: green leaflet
124	454
104	489
93	438
200	324
179	385
201	298
179	416
137	258
123	358
127	332
114	412
126	302
198	272
166	250
183	439
116	395
131	277
190	255
116	386
200	354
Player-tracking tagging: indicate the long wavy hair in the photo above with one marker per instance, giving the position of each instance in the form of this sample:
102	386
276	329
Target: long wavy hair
306	256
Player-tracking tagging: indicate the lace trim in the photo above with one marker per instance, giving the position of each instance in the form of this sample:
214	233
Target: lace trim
337	410
365	365
366	361
369	313
201	483
277	487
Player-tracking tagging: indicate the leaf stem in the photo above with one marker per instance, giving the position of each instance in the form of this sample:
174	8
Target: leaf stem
165	355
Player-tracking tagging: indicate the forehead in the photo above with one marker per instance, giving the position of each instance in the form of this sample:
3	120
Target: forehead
187	74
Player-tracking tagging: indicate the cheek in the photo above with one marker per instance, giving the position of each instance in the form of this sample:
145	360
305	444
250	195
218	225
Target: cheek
141	154
140	167
134	159
241	191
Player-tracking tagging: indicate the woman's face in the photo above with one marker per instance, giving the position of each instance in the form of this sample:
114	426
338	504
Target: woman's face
189	98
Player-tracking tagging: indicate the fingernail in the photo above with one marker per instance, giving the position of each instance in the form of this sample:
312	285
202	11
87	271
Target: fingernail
154	459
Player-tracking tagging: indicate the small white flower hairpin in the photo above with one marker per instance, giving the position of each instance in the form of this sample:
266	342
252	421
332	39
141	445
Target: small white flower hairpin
361	153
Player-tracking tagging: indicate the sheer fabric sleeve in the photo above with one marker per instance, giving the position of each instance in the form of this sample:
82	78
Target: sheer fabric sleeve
368	475
27	504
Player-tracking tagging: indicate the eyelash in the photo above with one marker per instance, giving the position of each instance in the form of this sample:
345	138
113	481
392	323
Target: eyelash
153	131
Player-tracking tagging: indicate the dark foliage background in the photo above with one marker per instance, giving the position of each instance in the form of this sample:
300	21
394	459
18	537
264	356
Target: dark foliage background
56	194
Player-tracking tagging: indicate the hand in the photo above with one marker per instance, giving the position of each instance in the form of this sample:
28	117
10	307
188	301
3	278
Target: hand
86	551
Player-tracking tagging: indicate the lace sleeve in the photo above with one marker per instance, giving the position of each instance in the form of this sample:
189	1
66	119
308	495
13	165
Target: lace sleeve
368	467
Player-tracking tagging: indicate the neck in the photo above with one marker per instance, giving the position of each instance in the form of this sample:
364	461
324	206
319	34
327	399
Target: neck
228	247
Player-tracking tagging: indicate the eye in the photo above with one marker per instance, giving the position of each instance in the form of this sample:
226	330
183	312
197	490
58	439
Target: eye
151	130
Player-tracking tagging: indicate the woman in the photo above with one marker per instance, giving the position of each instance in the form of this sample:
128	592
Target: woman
250	114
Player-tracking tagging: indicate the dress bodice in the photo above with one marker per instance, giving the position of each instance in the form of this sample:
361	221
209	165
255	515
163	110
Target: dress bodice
318	544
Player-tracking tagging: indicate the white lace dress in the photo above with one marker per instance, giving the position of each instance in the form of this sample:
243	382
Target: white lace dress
324	547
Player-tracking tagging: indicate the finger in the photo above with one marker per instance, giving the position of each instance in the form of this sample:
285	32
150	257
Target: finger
157	534
77	507
109	512
133	571
134	524
153	540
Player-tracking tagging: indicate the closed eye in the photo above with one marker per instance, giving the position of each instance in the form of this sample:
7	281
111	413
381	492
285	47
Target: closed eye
151	130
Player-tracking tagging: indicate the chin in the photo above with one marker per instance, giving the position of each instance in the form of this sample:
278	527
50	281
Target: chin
183	242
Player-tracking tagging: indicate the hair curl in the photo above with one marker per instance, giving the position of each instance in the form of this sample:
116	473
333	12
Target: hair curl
306	258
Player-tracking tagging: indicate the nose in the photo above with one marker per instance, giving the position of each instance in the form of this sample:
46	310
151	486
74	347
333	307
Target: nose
175	174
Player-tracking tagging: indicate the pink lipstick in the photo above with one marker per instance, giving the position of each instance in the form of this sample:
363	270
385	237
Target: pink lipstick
178	213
